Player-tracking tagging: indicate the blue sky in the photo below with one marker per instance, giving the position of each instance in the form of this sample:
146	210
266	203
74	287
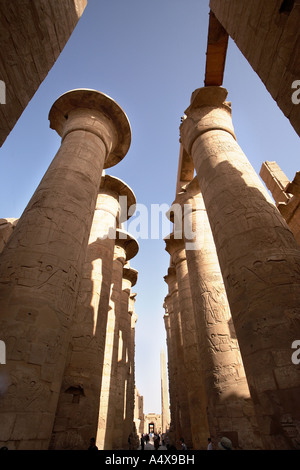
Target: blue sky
149	57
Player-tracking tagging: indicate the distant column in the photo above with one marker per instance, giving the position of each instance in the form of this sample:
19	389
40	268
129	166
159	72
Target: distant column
77	420
126	415
131	387
193	368
126	247
183	421
171	359
259	260
41	264
165	407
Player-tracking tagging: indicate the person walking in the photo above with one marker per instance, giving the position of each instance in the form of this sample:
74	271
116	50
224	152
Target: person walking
209	445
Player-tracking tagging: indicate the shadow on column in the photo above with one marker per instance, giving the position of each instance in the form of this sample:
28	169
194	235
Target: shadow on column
78	406
260	264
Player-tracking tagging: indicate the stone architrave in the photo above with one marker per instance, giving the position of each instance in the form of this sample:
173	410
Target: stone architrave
182	425
126	364
194	369
259	260
41	264
230	410
77	420
108	437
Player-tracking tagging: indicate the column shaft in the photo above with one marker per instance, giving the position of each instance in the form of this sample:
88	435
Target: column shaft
108	436
230	409
76	421
259	260
171	360
40	269
191	351
183	421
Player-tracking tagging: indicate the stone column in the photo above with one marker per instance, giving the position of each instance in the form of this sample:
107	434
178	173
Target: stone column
126	247
134	440
171	359
165	407
196	395
78	405
6	229
230	410
259	260
41	264
183	422
125	418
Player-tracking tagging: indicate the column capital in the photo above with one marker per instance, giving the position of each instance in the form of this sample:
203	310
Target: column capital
132	299
208	111
100	115
190	194
171	275
120	188
127	242
171	280
166	300
175	247
130	275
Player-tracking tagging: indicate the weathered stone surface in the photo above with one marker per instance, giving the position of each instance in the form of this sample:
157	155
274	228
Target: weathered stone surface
112	385
33	34
6	229
165	407
222	370
267	33
83	371
259	260
172	365
182	421
193	366
129	319
285	193
40	266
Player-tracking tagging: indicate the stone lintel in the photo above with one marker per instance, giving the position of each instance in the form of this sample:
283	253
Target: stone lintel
127	242
130	275
111	183
217	43
83	98
275	180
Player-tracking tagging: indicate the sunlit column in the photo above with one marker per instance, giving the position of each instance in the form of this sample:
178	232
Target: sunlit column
77	420
259	260
41	264
126	247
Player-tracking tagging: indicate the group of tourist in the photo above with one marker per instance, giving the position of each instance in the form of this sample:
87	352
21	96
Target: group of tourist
163	441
